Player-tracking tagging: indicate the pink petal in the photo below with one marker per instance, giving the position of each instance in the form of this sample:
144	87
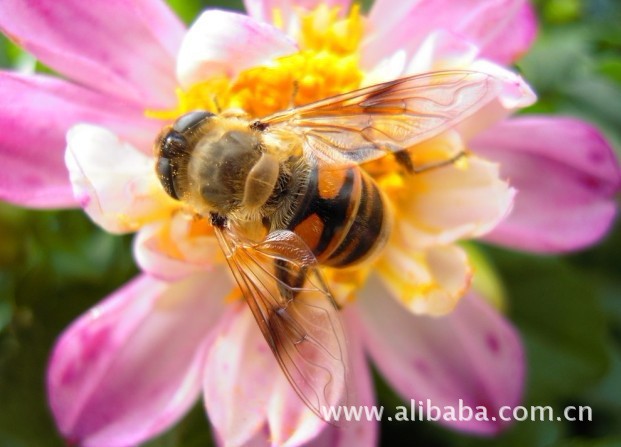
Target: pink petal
502	29
168	250
513	40
283	11
126	49
515	93
472	354
442	50
566	175
248	398
223	43
131	366
251	403
114	182
35	114
362	433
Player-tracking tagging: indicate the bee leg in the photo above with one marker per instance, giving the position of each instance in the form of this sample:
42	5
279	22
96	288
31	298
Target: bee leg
296	89
216	104
290	279
403	158
290	282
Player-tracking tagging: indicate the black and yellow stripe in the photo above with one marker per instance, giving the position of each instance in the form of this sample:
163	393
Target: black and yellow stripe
341	215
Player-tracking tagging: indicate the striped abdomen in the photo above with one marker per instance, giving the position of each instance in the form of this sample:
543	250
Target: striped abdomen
341	215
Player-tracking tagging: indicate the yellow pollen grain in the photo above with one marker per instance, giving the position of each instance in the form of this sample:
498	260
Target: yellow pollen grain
233	296
277	19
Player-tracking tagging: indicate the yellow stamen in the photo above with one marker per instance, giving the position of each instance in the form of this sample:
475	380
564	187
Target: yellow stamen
323	30
326	65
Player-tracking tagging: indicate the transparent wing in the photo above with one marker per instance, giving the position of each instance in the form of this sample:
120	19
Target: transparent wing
295	312
366	124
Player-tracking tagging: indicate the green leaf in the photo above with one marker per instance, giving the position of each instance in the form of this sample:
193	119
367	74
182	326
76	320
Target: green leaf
187	10
556	57
562	322
9	52
561	11
6	311
61	270
520	434
577	442
611	68
192	431
597	95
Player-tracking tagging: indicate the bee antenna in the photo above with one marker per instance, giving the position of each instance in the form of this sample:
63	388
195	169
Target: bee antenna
294	93
216	103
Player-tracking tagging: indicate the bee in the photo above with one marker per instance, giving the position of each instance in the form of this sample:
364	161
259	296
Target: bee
287	194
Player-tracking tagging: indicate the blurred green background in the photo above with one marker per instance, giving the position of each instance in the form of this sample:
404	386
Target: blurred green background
56	264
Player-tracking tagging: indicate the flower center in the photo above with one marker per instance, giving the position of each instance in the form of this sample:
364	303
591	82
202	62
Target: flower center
326	65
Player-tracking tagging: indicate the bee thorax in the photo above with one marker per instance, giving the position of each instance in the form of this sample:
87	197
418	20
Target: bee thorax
219	169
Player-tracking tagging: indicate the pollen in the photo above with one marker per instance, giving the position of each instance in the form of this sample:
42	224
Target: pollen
345	283
327	64
323	30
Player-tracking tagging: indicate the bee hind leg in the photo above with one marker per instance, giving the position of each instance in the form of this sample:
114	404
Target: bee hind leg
404	159
290	279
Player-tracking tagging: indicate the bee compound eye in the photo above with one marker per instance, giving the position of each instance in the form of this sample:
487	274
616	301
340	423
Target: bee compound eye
173	145
190	120
165	173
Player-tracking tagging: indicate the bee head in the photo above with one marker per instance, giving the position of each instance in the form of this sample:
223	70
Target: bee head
173	148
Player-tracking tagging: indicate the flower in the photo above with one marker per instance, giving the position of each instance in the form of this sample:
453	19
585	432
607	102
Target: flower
133	365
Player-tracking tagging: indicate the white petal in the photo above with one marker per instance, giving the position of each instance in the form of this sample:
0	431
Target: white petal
248	398
174	248
429	282
114	182
132	366
459	201
472	355
223	43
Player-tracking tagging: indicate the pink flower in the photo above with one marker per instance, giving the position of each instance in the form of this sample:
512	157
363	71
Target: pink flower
133	365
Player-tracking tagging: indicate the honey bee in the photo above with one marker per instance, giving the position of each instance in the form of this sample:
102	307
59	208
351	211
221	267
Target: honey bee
286	194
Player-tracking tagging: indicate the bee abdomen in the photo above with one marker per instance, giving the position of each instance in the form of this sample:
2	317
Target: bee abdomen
369	228
341	216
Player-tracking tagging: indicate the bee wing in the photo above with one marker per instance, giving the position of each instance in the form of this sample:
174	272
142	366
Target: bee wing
295	312
368	123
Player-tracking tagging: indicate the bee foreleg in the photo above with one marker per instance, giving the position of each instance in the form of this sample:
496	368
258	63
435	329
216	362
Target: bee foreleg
294	93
